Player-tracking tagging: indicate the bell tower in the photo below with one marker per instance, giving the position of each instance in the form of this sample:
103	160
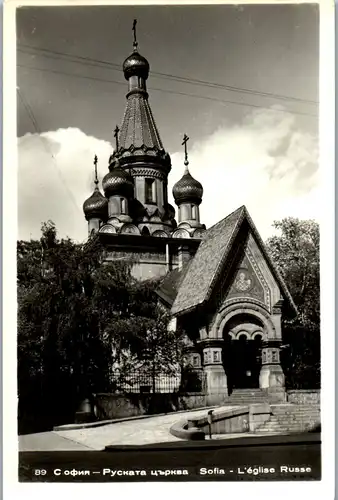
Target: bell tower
140	152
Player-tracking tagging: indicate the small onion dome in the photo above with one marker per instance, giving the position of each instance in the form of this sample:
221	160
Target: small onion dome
118	182
96	206
136	65
187	189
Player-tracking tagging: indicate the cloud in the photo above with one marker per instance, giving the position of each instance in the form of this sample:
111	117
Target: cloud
55	176
265	162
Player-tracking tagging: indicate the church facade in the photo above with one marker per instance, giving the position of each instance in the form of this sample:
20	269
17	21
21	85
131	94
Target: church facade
219	283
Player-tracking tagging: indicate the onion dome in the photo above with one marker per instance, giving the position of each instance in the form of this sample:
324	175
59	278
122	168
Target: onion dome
136	65
118	182
187	189
96	206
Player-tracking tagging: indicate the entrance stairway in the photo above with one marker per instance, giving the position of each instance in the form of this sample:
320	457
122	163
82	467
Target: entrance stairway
246	397
288	418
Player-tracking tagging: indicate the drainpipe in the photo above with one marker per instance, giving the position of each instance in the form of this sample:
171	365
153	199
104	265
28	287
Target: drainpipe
167	261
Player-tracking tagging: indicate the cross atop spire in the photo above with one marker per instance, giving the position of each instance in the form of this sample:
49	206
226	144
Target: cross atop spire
135	44
95	166
184	143
116	135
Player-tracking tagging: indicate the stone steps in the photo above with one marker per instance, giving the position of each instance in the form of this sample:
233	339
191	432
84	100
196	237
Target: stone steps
291	418
243	402
245	397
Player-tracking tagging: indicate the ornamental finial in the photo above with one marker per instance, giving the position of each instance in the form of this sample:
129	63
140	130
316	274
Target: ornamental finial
95	165
135	44
184	143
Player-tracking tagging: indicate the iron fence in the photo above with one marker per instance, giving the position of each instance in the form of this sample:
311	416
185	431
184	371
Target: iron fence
136	381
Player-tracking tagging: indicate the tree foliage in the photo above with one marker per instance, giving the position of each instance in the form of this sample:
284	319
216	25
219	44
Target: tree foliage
296	253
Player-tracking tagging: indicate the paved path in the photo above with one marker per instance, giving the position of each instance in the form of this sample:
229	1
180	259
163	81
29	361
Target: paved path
136	432
49	441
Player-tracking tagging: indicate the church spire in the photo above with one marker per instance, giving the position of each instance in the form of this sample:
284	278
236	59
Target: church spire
140	153
139	136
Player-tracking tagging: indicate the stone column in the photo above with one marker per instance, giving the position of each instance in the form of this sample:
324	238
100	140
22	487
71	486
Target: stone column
216	379
93	225
194	358
271	377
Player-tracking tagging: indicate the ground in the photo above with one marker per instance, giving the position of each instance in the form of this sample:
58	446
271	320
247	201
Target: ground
131	432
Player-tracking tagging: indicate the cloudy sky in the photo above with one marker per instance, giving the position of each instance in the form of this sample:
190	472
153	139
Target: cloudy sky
241	81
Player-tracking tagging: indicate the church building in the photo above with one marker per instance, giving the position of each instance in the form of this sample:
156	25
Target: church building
220	284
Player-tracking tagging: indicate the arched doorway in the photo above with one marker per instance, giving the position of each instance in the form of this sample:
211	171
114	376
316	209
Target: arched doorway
243	335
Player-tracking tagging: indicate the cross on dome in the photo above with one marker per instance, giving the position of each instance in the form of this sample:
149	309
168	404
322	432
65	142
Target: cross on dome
95	166
116	135
184	143
135	44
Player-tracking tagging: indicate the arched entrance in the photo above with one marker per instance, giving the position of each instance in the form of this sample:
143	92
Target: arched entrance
243	335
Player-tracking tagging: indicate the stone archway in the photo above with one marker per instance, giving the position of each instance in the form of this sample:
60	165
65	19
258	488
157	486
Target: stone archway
254	324
248	308
243	334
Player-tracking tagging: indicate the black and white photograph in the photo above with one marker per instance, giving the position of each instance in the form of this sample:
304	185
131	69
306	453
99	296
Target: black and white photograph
168	243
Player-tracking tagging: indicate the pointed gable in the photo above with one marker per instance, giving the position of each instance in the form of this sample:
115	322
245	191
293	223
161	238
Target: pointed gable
207	261
246	281
213	254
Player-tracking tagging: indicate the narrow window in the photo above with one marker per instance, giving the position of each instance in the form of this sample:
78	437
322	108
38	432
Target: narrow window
123	205
195	361
193	212
150	190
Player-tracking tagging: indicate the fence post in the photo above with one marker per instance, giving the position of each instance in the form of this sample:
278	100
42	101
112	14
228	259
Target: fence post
210	412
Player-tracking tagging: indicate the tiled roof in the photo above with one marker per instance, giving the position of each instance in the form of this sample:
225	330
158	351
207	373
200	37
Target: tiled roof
138	128
210	258
205	264
171	283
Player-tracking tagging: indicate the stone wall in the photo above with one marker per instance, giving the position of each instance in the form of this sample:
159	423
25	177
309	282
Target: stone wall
304	396
146	265
223	421
110	406
234	420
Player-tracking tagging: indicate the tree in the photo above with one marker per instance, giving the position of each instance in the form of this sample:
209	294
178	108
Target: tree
296	253
57	347
78	317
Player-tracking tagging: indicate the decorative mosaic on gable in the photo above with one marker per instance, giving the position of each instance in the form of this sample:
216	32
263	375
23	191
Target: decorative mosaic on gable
248	283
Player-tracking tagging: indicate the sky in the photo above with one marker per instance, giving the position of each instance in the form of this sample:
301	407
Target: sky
255	143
